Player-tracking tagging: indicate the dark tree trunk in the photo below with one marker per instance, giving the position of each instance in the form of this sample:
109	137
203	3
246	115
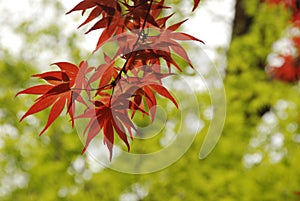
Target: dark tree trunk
242	21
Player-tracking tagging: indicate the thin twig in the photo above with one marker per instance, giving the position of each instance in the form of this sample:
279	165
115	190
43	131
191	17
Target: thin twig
123	70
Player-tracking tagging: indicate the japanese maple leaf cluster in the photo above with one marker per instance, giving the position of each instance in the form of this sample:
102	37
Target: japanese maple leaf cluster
289	71
122	90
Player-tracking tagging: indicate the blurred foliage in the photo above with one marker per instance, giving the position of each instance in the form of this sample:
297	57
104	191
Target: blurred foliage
256	158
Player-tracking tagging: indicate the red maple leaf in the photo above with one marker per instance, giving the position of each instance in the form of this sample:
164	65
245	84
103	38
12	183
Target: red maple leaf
167	40
111	117
145	87
105	73
58	92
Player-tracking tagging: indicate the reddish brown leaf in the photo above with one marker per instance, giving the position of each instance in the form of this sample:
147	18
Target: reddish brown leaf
58	89
164	92
157	9
121	132
151	102
126	121
69	68
36	90
81	82
94	14
56	109
196	3
162	21
110	120
83	5
178	49
174	27
58	92
40	105
105	36
94	126
108	132
53	76
100	24
184	36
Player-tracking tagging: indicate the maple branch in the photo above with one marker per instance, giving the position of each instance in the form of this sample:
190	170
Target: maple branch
123	70
84	89
135	44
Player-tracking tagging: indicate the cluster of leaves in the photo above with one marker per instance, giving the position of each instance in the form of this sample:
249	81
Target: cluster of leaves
289	70
122	89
